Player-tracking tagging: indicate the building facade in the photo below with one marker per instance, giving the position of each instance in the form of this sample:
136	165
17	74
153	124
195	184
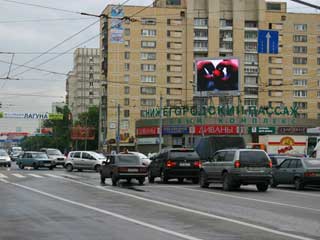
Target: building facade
83	83
154	58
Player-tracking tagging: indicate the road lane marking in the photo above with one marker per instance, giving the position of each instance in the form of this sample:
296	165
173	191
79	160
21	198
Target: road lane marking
250	199
243	223
51	175
34	175
18	175
3	176
3	180
122	217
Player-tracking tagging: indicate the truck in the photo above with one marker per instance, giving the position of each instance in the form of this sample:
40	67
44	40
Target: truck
289	144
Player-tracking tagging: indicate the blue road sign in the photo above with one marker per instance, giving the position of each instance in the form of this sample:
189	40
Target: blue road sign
268	41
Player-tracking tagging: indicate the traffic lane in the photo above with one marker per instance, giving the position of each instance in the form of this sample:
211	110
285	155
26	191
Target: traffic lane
28	215
180	217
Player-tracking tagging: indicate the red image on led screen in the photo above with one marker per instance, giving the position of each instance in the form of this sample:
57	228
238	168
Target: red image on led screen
217	75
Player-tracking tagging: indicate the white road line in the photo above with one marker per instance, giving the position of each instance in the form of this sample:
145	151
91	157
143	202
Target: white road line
128	219
4	181
296	192
3	176
17	175
250	225
70	176
244	198
35	175
51	175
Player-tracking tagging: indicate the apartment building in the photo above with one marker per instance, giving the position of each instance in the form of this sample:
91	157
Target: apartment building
83	83
156	56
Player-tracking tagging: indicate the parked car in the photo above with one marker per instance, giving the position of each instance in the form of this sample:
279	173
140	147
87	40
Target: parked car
236	167
84	160
297	171
123	166
55	154
175	163
143	158
15	153
35	160
4	158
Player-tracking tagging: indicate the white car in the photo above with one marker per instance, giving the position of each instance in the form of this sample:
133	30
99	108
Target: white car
4	158
55	155
144	160
84	160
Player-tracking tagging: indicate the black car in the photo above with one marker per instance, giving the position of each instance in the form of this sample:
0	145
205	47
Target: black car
175	163
123	166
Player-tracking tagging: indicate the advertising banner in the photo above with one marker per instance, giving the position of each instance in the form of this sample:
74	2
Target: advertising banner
216	129
28	115
147	131
116	31
82	133
217	76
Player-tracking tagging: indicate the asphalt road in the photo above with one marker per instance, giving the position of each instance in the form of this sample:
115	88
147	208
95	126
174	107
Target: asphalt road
58	205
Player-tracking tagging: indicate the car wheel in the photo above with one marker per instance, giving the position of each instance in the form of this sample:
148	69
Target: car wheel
150	177
262	187
203	180
51	168
226	185
163	176
273	182
97	168
9	165
195	180
21	166
298	184
180	180
141	181
128	180
69	167
114	180
35	166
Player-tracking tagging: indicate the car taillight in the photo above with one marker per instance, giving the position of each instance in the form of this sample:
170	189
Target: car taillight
270	164
310	174
170	163
237	164
197	164
123	169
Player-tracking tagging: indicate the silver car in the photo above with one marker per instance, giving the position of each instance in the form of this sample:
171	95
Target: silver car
81	160
55	154
4	158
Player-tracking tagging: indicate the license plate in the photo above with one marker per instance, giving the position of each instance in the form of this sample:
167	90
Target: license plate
254	169
132	170
184	164
47	164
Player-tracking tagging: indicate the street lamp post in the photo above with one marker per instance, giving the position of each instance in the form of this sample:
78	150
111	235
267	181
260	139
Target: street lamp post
118	128
160	124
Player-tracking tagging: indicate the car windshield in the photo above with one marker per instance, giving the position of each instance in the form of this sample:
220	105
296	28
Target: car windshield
140	155
312	163
128	160
185	154
99	156
39	155
53	152
16	149
3	153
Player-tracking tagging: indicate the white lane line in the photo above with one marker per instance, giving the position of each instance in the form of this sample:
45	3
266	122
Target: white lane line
244	198
298	193
128	219
3	176
18	175
51	175
34	175
70	176
250	225
4	181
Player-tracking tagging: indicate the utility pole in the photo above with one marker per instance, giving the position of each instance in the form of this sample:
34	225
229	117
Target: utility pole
118	128
160	124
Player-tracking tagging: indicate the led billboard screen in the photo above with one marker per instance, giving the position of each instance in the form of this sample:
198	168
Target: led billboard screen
217	76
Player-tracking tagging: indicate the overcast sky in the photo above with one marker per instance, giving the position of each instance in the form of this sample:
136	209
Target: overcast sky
28	31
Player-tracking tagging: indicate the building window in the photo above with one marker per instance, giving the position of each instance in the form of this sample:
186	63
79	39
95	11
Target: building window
174	2
251	58
251	24
251	35
275	82
300	71
90	101
250	80
300	60
148	67
127	31
300	93
90	84
300	27
148	44
126	113
318	39
251	91
90	93
148	21
127	66
300	82
174	22
250	102
148	79
90	75
127	43
174	102
126	78
318	61
300	38
202	44
250	47
148	56
126	90
126	101
200	22
318	94
226	23
302	115
273	6
148	90
300	105
148	102
201	33
126	55
148	32
300	49
174	91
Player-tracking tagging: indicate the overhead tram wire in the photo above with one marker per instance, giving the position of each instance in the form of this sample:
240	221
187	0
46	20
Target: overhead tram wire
43	20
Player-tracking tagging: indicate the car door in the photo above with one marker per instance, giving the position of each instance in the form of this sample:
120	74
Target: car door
158	164
77	161
108	166
281	174
88	160
214	166
292	171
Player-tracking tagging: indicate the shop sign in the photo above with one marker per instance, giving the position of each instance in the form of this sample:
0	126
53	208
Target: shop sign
292	130
262	130
148	141
40	116
222	110
166	130
315	130
216	129
147	131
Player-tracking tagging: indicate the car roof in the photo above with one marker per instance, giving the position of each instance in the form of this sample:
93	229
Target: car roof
241	149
